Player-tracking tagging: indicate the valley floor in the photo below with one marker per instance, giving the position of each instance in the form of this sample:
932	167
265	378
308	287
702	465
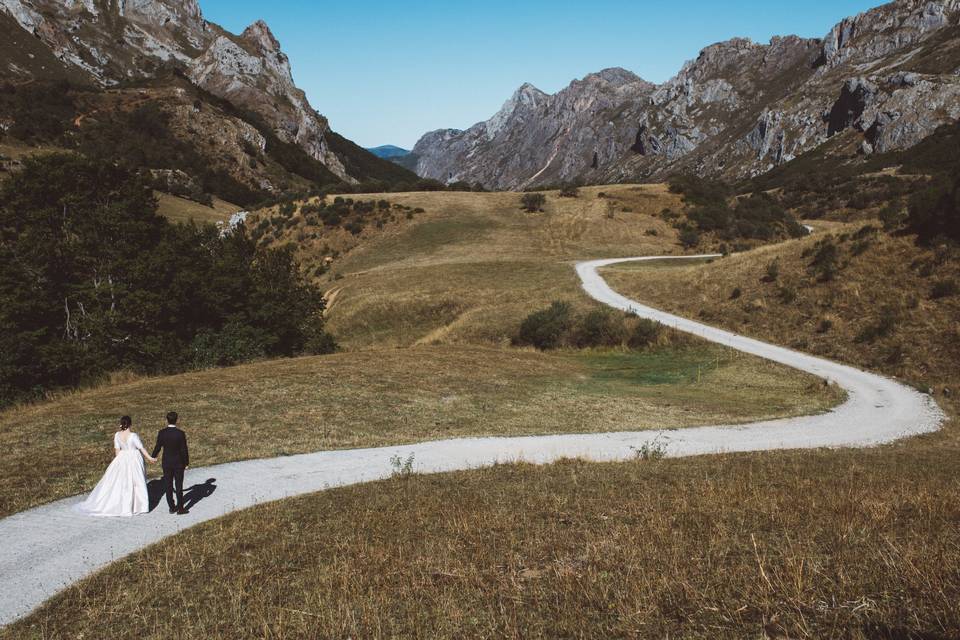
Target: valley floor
799	544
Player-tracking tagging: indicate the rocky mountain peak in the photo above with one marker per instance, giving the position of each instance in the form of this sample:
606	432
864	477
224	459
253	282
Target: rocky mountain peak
121	40
260	34
526	94
615	76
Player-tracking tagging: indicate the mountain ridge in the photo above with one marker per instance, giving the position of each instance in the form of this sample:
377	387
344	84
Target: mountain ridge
112	44
880	80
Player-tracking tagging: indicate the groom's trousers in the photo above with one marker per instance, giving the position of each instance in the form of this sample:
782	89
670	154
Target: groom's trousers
173	475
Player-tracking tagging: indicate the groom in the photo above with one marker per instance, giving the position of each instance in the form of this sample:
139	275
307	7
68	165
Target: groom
176	458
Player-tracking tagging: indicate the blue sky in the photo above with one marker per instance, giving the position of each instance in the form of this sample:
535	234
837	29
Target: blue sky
385	72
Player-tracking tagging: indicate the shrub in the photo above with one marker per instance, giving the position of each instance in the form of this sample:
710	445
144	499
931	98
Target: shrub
944	289
644	333
689	238
233	344
569	191
698	190
825	259
533	202
736	293
787	294
545	329
773	271
824	325
758	217
599	328
892	216
884	326
935	211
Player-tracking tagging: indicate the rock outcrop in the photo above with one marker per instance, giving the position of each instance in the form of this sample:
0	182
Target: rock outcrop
882	80
110	41
535	136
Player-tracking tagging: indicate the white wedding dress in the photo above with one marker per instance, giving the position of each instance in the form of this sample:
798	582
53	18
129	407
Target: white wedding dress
122	491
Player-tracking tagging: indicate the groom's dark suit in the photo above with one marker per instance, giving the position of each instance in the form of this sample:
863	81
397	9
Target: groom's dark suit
176	457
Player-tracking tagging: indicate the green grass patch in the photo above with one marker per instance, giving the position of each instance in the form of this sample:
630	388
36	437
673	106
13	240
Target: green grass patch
661	366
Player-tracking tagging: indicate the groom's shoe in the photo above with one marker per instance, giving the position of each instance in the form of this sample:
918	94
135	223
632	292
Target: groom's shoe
173	509
181	511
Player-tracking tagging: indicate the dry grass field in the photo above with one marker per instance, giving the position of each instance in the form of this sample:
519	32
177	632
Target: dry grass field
880	310
382	397
454	283
178	209
473	265
845	544
450	287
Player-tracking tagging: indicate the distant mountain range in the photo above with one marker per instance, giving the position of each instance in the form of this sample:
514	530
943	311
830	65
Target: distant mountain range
880	81
388	151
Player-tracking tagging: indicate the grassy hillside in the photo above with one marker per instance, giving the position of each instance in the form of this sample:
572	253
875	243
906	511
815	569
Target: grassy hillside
858	544
178	209
852	293
473	265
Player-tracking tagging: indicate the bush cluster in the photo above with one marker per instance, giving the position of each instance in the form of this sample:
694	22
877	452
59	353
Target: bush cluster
558	326
758	216
346	213
533	202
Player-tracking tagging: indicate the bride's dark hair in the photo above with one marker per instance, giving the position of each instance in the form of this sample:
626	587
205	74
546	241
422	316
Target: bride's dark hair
125	423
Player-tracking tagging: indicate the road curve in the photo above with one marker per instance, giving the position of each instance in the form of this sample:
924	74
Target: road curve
48	548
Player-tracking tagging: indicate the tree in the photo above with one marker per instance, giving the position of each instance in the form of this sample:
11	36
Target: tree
93	280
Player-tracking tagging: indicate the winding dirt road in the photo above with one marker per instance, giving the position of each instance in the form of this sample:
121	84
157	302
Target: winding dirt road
47	549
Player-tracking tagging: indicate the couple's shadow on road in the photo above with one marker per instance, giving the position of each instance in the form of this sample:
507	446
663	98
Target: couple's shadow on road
191	495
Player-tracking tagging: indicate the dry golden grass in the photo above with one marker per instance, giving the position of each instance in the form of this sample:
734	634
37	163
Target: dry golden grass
382	397
826	318
841	544
471	267
178	209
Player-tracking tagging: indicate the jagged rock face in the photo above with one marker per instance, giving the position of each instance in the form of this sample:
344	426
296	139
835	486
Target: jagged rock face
114	40
887	78
535	136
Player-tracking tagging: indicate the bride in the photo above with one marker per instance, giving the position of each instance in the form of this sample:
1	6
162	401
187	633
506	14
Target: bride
122	491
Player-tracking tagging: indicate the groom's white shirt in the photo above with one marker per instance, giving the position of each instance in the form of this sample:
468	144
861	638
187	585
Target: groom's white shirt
171	425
